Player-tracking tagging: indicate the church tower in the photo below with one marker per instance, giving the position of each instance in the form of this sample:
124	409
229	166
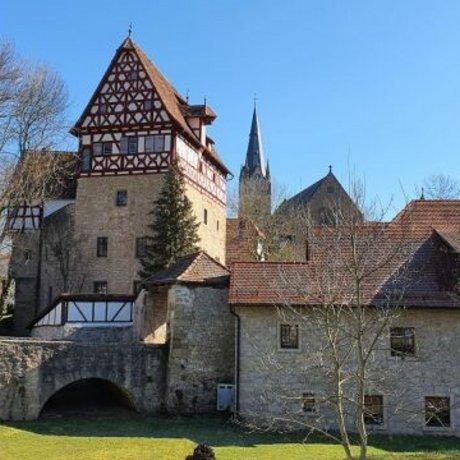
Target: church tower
255	183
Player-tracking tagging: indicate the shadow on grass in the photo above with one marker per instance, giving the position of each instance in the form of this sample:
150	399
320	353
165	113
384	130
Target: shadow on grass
217	431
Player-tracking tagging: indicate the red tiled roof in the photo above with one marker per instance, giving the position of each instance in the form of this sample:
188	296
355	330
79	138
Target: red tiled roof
241	240
420	217
194	268
418	275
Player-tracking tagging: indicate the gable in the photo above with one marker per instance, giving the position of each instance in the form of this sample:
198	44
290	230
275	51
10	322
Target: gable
126	96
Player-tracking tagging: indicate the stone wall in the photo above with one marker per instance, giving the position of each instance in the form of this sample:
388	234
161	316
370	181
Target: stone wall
31	371
272	381
118	334
201	347
97	215
24	269
150	315
212	233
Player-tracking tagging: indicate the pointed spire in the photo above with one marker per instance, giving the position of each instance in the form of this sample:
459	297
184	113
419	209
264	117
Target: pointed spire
255	155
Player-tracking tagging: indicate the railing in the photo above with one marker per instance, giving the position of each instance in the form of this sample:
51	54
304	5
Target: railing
88	310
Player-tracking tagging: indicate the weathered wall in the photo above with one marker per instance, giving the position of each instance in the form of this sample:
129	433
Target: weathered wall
201	352
272	381
119	334
31	371
24	270
212	234
97	215
150	315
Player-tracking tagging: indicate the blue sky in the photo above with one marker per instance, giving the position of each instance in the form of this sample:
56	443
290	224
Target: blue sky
371	87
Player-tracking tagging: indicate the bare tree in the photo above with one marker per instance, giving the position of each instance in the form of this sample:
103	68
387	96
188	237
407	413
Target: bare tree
338	302
440	187
64	251
38	111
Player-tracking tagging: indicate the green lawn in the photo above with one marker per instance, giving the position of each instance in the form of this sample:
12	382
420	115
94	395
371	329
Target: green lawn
161	438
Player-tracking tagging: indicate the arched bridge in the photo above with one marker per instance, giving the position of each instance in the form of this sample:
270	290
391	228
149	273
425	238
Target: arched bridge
31	371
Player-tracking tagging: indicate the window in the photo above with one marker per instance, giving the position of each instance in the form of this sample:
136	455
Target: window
102	148
402	341
137	286
308	402
103	108
106	148
27	255
141	247
100	287
373	409
132	75
122	198
86	160
155	143
102	246
128	145
205	217
437	411
289	336
50	294
217	225
148	104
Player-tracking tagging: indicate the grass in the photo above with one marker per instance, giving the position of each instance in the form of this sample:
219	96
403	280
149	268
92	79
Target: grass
168	438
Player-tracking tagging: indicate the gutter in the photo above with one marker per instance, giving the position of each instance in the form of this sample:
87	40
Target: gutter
237	361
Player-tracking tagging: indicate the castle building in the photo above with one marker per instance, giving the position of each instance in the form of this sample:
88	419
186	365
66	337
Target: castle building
134	126
200	336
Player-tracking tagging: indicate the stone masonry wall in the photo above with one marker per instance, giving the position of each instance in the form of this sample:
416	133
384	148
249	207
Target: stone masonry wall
31	371
97	215
201	353
272	381
212	233
120	334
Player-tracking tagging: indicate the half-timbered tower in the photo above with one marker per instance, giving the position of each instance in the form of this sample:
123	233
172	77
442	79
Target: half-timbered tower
255	183
133	127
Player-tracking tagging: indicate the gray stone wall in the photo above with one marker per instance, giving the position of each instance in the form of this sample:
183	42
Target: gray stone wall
201	348
31	371
150	315
120	334
272	380
24	270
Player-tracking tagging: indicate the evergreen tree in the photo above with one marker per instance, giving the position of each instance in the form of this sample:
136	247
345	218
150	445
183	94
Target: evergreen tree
174	227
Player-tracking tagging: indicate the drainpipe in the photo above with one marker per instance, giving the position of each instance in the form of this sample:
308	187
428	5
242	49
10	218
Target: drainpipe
237	360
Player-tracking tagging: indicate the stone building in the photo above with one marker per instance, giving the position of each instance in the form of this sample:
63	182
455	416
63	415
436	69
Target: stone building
283	369
133	127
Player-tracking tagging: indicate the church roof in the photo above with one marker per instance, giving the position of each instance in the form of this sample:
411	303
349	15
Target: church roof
174	103
255	159
305	196
199	268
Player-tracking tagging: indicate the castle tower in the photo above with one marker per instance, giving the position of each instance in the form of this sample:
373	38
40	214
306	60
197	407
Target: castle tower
133	127
255	184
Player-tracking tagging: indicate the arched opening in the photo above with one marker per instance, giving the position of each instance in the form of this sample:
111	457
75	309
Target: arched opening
86	397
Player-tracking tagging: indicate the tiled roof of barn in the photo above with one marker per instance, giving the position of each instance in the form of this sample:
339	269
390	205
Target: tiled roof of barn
420	217
419	272
198	268
241	237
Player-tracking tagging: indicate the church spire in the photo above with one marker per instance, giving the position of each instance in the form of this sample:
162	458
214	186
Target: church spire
255	158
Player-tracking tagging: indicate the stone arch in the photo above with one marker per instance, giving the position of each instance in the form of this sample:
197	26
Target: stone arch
119	391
